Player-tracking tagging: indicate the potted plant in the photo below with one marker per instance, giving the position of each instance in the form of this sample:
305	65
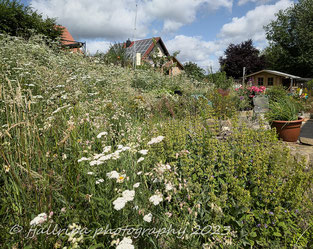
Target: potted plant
283	115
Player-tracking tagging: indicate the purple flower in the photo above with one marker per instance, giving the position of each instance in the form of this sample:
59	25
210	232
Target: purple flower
251	161
258	225
297	211
265	225
285	211
241	97
271	213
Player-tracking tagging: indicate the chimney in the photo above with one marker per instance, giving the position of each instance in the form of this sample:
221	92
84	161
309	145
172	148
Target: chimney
128	43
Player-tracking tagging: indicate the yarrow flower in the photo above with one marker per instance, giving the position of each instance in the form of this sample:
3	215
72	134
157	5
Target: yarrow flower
129	195
156	199
119	203
148	217
136	185
99	181
168	186
102	134
83	159
41	218
143	152
156	140
140	159
126	243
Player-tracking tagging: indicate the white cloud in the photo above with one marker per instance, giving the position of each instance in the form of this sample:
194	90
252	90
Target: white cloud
97	46
114	20
251	25
177	13
242	2
197	50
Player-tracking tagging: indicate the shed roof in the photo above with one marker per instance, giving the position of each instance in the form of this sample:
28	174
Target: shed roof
275	73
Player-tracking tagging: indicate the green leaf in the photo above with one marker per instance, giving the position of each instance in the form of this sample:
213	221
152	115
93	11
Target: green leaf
277	234
253	234
100	245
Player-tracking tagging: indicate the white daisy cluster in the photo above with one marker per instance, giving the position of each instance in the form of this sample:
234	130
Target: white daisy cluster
120	202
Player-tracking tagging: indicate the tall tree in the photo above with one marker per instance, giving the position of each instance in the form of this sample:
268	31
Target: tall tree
194	71
19	20
241	55
290	37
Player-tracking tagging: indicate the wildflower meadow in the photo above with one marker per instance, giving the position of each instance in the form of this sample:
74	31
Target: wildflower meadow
94	155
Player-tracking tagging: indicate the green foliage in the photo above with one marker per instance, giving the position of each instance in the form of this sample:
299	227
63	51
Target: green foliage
194	71
290	37
284	109
116	55
224	106
275	93
19	20
220	80
248	182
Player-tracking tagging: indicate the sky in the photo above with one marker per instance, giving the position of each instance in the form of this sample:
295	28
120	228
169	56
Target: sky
200	29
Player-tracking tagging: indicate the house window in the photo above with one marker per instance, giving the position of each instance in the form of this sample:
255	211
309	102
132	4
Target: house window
260	81
270	81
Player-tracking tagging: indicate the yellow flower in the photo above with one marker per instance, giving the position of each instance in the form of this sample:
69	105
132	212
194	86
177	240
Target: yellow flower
6	168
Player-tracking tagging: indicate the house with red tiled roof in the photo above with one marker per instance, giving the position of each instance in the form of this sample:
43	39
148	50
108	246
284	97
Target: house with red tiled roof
148	49
68	41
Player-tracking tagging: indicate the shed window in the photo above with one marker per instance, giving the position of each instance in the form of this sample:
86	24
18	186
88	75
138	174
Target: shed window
270	81
260	81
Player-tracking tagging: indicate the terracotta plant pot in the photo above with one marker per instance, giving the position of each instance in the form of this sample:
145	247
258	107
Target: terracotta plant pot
223	92
289	131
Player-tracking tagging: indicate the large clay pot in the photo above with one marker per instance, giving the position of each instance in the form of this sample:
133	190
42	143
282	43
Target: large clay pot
289	131
223	92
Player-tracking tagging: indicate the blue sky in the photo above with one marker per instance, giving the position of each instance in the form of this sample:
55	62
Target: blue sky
200	29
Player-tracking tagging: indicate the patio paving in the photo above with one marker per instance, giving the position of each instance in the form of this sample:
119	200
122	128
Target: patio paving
306	135
304	147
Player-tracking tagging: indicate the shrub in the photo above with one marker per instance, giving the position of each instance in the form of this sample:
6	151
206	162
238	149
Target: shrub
19	20
220	80
275	93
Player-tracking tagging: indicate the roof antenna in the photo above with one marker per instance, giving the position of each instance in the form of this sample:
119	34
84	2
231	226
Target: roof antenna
134	35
